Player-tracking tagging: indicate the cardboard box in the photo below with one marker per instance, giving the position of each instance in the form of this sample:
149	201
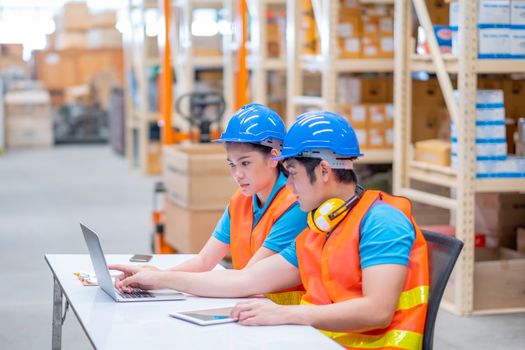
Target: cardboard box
517	12
379	46
374	90
350	27
154	158
67	40
74	16
499	215
376	138
517	42
434	152
355	114
187	230
12	50
428	105
197	176
101	38
494	42
362	137
349	47
29	131
104	19
61	69
494	12
520	239
498	280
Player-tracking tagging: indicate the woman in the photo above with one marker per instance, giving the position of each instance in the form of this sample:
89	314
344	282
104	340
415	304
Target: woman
263	216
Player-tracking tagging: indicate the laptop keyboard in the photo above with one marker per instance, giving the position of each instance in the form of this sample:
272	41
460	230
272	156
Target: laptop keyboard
136	294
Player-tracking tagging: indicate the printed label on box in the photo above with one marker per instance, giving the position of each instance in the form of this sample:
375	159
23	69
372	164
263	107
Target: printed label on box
517	12
494	12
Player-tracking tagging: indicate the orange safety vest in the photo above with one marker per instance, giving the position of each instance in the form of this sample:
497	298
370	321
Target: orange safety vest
330	270
245	239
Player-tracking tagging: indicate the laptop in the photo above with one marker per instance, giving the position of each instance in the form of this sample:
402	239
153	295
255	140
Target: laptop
106	283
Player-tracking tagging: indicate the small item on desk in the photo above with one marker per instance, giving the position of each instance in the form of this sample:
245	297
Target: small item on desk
140	258
86	278
90	278
206	317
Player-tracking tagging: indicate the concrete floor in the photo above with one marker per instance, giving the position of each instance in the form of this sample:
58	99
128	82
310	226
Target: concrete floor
43	196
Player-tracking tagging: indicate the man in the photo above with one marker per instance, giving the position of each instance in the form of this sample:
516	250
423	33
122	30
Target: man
362	261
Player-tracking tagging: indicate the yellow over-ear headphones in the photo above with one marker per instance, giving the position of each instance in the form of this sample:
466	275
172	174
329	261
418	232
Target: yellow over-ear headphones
326	217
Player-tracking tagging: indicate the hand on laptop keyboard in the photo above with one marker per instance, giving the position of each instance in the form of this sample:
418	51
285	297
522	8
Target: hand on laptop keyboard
137	293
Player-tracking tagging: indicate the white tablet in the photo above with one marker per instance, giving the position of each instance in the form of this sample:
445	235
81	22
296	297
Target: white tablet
205	317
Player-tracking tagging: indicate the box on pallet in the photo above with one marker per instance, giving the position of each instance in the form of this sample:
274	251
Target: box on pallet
197	176
187	230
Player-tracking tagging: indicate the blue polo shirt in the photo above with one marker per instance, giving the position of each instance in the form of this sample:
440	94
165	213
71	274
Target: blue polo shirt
387	236
283	231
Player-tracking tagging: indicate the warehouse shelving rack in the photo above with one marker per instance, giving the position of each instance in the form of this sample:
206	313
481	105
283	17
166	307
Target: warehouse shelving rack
186	63
327	63
258	62
463	180
138	58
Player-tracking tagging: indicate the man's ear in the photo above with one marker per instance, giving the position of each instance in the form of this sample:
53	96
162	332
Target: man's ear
326	170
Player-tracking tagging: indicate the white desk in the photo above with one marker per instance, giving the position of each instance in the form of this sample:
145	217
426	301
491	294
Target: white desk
146	325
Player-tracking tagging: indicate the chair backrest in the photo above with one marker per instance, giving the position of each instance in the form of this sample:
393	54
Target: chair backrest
443	251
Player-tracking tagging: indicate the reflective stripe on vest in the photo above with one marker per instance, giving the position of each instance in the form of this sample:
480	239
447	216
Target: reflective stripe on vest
286	298
412	298
393	339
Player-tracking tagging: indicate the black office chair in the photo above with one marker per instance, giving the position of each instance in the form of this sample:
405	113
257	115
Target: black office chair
443	251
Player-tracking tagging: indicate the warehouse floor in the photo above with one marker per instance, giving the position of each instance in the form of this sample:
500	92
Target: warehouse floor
43	196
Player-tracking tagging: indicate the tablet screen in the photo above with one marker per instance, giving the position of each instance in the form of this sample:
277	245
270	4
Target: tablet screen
206	316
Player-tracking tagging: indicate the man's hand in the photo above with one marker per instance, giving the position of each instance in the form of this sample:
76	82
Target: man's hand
129	271
260	313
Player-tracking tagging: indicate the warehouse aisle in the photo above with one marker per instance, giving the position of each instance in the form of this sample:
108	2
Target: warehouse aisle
43	196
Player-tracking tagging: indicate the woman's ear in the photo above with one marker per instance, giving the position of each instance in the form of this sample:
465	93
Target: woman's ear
274	153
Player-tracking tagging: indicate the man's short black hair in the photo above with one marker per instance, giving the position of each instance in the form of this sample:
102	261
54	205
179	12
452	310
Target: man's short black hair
342	175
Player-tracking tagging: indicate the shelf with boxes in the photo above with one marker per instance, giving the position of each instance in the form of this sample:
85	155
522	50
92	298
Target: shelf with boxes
142	61
459	141
203	53
266	60
341	59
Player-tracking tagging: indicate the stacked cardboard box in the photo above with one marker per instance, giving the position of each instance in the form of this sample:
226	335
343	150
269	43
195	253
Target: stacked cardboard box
491	144
498	215
77	28
275	32
367	104
71	25
198	188
501	32
372	122
309	36
365	32
28	118
11	58
103	33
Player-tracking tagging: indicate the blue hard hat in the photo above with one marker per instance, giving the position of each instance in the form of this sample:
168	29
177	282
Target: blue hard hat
255	123
320	131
